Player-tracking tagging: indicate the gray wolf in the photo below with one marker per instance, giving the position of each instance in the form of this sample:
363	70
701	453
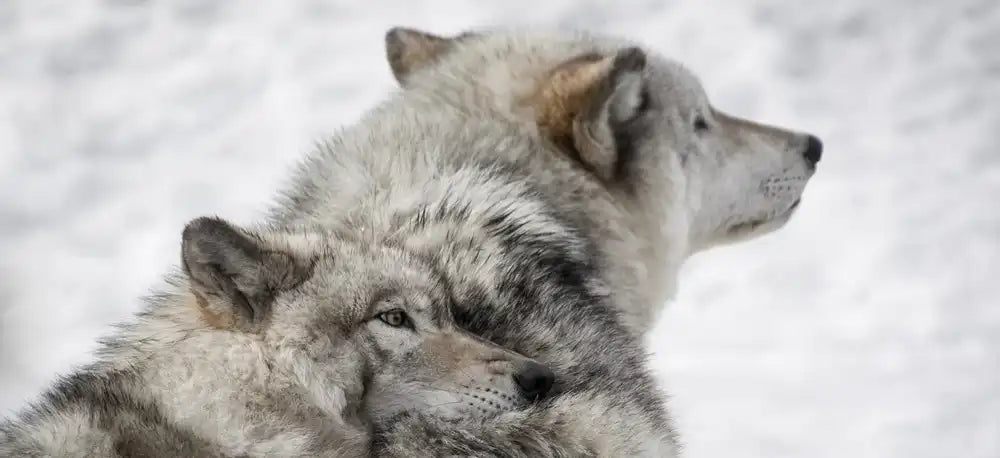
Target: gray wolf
277	343
625	142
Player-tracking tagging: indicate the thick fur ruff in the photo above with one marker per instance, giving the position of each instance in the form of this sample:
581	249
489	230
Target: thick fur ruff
546	187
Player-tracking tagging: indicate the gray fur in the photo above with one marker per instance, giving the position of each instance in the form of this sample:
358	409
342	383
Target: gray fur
302	374
564	226
552	184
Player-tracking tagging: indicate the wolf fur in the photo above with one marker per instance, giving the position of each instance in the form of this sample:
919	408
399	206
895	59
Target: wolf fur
556	182
277	342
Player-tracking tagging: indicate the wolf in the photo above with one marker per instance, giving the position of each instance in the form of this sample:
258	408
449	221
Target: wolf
625	142
277	342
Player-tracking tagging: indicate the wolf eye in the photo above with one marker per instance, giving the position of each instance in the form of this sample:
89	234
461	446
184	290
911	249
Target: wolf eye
700	124
395	318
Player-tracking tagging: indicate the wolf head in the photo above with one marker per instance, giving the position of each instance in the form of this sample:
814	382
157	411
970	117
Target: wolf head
353	325
639	123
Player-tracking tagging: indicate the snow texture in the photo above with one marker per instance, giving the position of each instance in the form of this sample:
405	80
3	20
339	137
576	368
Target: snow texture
868	327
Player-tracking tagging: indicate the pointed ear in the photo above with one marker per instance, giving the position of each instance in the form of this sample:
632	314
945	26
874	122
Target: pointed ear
234	275
588	104
409	50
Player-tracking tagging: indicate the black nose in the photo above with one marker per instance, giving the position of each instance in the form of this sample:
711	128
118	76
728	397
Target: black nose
534	380
814	150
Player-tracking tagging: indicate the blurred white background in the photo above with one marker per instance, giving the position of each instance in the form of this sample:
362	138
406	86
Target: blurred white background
868	327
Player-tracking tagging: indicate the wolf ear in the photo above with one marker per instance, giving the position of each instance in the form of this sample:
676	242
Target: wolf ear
588	104
232	274
409	50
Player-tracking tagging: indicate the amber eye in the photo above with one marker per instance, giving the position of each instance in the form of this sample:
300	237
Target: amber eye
700	124
395	318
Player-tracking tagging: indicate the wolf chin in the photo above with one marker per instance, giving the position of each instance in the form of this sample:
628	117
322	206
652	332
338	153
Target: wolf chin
555	182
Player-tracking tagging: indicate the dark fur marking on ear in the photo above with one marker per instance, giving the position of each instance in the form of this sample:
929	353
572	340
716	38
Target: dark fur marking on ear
410	50
628	135
630	59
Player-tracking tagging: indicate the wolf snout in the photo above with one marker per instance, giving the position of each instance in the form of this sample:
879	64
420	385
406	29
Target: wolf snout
813	151
534	380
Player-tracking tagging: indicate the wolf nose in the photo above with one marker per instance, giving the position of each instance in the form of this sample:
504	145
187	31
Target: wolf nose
534	380
814	150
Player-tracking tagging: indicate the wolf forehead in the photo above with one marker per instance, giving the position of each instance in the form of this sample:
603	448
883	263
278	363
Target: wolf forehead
358	281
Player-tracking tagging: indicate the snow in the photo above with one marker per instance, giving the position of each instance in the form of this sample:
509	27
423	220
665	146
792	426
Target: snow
867	327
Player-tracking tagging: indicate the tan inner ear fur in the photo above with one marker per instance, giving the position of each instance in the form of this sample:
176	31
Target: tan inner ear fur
568	91
215	319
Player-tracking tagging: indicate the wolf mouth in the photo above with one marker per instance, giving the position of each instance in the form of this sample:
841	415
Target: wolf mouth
793	206
748	226
754	224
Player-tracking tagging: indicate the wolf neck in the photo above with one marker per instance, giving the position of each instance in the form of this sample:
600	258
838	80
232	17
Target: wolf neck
175	357
248	399
175	343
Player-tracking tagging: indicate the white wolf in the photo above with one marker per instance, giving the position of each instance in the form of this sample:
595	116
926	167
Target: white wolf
629	144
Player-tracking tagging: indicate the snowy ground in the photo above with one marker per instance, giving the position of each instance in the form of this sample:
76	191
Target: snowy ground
868	327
